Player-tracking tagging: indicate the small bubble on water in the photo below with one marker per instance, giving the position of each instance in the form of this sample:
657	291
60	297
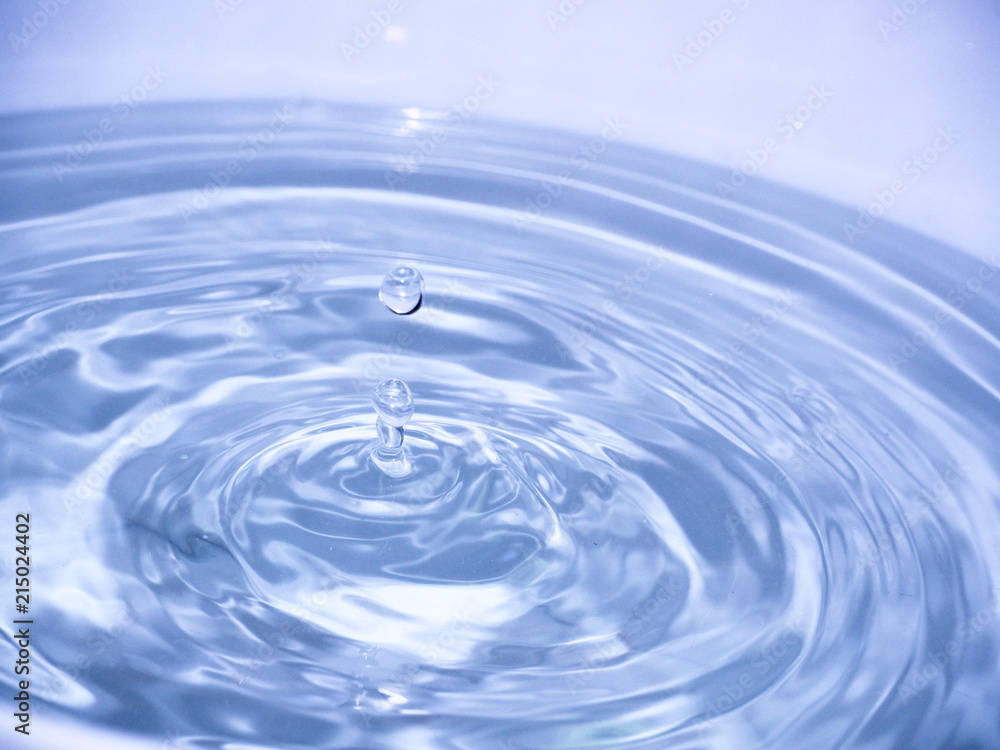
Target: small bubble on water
402	290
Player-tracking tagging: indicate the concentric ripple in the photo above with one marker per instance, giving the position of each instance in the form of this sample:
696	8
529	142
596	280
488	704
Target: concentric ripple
686	472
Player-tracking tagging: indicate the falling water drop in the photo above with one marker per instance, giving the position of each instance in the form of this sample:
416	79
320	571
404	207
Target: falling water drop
394	407
402	290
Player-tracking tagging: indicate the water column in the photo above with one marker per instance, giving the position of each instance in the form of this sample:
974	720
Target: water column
393	403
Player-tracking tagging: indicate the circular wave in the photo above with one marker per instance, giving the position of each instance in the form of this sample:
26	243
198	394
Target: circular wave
687	471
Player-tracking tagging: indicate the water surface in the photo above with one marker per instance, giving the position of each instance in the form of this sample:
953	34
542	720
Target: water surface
687	471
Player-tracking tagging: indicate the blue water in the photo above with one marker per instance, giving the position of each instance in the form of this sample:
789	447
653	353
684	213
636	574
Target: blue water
687	471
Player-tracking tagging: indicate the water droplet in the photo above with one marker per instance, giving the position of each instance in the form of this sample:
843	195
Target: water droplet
402	290
393	402
394	405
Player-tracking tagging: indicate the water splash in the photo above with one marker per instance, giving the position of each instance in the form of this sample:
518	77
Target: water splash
402	290
393	404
